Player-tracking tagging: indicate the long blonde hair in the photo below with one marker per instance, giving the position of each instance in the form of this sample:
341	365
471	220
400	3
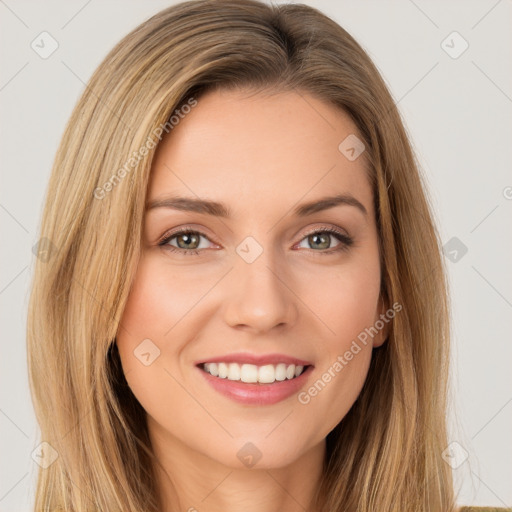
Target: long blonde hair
385	454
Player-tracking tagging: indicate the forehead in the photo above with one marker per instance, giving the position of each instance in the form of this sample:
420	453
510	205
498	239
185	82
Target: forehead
255	149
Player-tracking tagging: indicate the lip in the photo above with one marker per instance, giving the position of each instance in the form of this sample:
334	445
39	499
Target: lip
256	394
258	360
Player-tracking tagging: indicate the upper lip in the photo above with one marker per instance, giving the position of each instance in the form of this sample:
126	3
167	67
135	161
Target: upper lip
258	360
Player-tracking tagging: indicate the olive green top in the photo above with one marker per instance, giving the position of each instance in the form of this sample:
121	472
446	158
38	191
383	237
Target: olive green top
485	509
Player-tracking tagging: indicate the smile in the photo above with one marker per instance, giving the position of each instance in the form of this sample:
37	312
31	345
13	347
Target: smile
250	373
254	385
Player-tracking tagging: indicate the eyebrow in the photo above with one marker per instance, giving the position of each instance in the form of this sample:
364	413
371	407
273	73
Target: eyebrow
217	209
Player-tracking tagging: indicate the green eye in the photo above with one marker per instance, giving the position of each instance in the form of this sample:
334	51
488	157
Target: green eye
189	241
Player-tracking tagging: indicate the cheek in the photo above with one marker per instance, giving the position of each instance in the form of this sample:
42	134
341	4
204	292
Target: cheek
345	300
347	303
160	298
354	306
150	312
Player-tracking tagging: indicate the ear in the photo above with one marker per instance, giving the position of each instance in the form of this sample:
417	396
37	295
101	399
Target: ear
382	322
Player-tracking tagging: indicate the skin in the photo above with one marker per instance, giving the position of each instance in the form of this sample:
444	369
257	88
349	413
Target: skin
261	155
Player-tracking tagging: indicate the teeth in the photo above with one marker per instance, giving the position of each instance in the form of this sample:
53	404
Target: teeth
234	371
281	371
251	373
223	370
266	374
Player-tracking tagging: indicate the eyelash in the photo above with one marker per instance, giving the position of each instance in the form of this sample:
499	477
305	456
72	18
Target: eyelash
346	241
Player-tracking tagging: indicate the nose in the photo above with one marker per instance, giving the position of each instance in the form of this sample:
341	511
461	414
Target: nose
259	298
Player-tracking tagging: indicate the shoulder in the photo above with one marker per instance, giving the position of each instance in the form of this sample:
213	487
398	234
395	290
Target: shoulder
484	509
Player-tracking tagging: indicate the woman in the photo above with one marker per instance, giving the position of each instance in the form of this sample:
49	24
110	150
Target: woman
206	353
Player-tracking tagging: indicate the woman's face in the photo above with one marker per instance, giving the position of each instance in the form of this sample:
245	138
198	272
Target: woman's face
251	283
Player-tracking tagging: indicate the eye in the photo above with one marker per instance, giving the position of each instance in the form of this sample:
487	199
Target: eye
187	241
321	238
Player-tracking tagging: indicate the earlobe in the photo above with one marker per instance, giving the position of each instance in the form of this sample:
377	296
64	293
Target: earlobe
382	322
379	340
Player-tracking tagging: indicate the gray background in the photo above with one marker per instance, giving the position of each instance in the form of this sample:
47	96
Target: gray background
458	114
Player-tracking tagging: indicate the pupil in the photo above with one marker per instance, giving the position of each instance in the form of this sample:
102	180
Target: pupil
325	237
189	239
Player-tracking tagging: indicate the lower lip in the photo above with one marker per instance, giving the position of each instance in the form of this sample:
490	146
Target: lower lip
257	394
